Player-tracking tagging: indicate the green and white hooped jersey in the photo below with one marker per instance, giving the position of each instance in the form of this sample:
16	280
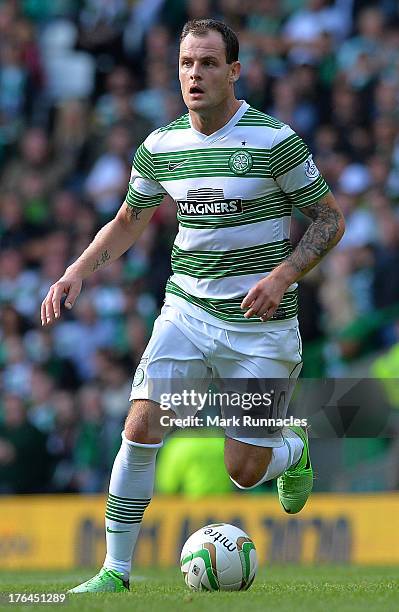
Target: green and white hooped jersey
234	191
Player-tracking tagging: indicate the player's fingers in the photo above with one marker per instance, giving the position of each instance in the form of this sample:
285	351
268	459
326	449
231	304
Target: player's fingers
250	313
249	298
46	307
55	305
43	311
52	302
256	309
268	314
48	310
72	294
52	306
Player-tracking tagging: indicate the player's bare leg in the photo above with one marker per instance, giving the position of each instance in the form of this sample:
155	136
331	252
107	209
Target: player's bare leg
246	463
250	466
130	492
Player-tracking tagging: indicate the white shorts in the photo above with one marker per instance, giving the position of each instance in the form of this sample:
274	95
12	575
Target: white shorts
183	348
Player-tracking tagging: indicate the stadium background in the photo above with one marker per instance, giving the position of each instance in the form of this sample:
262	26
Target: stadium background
81	85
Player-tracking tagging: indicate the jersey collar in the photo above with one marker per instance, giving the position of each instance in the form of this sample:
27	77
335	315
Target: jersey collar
223	130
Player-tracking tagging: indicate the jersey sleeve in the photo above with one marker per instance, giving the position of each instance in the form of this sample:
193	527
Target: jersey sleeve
144	190
294	170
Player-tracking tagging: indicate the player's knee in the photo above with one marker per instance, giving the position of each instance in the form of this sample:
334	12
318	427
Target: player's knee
246	464
141	423
246	476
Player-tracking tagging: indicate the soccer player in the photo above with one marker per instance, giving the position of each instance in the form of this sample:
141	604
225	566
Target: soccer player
231	303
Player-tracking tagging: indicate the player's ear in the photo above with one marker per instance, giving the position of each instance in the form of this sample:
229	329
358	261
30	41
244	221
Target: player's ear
235	72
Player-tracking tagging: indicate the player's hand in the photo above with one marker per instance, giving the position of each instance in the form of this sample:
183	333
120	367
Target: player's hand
264	297
69	285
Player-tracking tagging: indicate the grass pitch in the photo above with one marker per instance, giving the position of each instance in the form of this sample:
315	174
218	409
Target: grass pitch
283	589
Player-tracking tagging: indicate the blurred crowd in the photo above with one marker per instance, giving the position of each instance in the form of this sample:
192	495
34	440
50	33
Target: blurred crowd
81	85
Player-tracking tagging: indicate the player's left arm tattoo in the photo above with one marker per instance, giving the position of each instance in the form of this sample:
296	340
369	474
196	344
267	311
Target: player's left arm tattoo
325	231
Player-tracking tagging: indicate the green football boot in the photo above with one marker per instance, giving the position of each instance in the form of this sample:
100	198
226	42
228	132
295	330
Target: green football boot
106	581
295	484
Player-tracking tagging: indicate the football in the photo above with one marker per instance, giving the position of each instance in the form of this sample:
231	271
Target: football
219	557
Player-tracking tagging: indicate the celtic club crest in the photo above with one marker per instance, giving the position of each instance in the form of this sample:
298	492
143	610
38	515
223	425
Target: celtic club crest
241	161
138	377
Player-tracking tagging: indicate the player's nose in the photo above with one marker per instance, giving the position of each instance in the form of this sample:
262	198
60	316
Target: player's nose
195	73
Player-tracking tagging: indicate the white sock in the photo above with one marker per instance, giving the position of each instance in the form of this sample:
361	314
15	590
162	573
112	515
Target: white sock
295	445
130	491
282	458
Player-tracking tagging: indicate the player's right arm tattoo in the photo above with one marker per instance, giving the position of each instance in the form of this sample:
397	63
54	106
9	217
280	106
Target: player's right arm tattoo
323	233
104	257
133	212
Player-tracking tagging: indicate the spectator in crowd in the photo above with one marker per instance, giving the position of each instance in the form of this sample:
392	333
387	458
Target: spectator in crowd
16	232
41	411
91	452
117	106
61	443
20	441
106	181
35	160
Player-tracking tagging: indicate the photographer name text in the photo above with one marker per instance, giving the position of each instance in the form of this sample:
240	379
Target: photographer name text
234	421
